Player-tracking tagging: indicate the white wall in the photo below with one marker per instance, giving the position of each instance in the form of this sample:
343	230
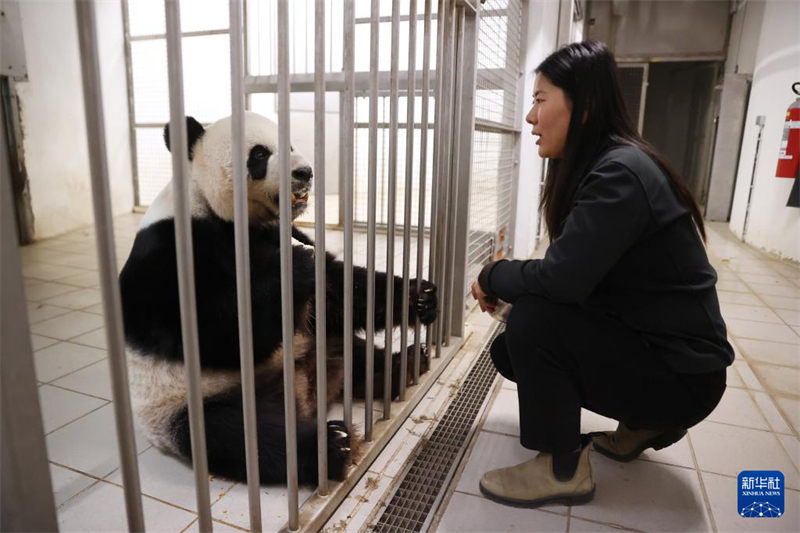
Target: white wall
543	23
52	114
772	226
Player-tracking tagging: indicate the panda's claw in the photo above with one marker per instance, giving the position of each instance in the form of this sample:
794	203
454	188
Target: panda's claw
425	302
341	447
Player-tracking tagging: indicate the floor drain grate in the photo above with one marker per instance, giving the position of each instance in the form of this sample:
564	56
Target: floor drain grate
419	493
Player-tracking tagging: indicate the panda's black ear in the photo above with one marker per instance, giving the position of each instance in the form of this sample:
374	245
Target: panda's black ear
194	130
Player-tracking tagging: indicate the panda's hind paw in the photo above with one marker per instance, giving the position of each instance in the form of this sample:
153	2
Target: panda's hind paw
343	449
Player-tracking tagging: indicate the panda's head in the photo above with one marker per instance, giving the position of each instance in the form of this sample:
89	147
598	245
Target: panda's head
212	167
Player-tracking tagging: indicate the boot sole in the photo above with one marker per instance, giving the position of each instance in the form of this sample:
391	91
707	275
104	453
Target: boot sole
574	499
662	441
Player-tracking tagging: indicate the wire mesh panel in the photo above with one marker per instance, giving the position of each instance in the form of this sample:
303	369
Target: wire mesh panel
493	165
498	61
491	197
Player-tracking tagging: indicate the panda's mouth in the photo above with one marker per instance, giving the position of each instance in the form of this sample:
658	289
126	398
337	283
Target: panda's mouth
300	197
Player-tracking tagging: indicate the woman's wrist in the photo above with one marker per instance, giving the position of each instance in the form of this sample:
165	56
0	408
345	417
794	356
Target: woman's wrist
484	278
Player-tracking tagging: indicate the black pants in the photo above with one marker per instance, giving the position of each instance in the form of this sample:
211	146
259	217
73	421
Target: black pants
565	357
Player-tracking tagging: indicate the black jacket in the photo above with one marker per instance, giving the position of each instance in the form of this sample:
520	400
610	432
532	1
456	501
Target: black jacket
629	248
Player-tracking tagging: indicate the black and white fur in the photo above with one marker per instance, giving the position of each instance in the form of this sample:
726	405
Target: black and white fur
152	317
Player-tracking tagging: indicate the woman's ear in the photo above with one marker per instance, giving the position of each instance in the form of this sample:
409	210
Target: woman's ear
586	109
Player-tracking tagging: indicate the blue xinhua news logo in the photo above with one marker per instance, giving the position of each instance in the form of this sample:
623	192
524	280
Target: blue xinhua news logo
761	494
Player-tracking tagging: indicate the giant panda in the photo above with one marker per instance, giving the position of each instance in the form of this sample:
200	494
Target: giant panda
151	314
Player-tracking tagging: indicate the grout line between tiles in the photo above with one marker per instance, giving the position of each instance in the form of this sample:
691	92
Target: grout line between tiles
75	496
568	515
767	390
42	302
76	370
76	419
703	490
751	393
190	525
51	384
72	339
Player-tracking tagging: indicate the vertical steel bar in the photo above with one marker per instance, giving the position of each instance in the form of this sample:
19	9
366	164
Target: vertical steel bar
287	302
319	257
435	176
106	252
347	151
241	227
423	169
458	63
463	152
445	159
394	96
185	259
411	94
371	207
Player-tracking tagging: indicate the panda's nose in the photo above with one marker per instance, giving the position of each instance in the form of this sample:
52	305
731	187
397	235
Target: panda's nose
303	174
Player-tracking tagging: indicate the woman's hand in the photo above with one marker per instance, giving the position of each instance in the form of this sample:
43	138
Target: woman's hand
487	303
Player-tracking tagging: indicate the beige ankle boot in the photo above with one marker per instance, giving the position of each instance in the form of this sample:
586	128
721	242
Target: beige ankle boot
532	483
626	444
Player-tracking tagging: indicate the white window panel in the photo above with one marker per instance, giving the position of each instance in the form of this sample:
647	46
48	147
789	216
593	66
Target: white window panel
147	16
206	79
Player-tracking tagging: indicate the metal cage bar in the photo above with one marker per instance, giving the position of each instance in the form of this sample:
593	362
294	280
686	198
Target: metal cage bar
436	175
467	71
349	166
423	167
287	300
394	96
445	169
185	260
371	215
319	258
450	249
411	97
241	225
106	252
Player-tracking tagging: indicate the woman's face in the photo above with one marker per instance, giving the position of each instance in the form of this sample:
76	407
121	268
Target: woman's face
549	117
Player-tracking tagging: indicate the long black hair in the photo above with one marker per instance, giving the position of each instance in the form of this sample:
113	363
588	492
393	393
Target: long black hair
587	73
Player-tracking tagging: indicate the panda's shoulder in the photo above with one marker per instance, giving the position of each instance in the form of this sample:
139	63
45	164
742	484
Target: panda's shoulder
157	240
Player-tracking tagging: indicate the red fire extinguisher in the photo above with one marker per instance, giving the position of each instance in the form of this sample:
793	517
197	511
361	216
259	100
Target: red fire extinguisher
789	156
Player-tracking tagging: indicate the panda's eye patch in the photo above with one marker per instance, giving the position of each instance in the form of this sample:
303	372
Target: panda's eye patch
259	152
257	162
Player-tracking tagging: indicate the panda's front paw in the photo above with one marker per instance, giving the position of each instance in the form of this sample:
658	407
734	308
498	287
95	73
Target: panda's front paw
424	363
343	449
425	302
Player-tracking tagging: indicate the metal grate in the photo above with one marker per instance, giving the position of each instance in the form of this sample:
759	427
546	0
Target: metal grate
420	492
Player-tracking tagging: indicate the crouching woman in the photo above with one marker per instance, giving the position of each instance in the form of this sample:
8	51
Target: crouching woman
621	316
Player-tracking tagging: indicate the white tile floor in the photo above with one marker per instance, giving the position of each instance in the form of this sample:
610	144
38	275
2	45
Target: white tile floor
689	486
